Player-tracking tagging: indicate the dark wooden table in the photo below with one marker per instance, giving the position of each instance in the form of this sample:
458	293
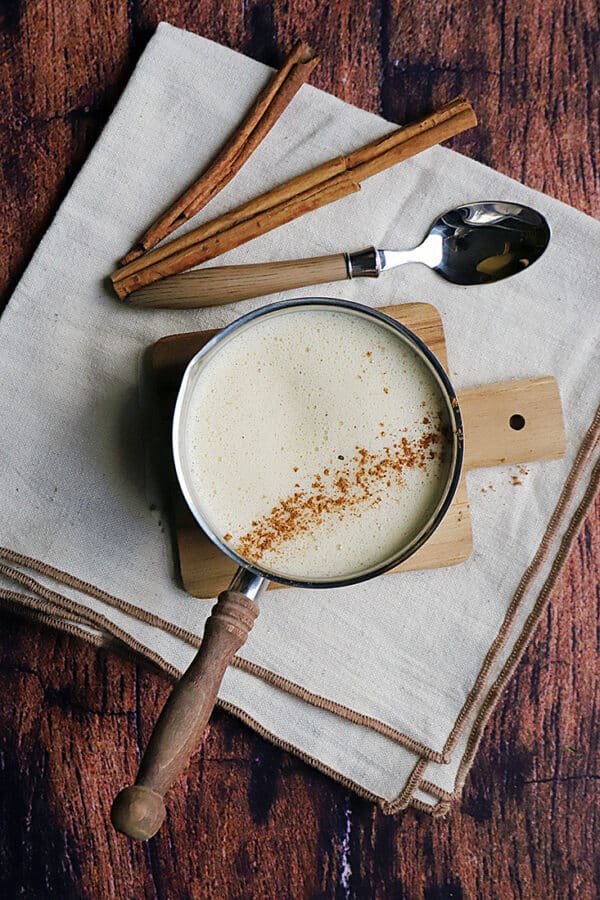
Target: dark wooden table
250	821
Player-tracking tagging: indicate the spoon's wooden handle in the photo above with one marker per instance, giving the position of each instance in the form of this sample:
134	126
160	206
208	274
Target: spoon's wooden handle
226	284
138	811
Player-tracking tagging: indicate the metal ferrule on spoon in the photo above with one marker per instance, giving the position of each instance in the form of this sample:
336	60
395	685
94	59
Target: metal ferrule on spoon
227	284
371	263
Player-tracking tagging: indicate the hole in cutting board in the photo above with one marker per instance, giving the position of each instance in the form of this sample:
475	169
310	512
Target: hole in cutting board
516	422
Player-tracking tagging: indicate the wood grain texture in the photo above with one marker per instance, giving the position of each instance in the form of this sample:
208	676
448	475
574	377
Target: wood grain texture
139	809
514	422
217	285
72	720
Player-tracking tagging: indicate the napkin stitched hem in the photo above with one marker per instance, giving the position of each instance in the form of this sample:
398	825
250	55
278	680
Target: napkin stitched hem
445	798
432	788
29	608
301	692
56	606
532	619
541	556
273	678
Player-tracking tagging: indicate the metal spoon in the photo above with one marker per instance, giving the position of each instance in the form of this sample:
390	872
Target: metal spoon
474	244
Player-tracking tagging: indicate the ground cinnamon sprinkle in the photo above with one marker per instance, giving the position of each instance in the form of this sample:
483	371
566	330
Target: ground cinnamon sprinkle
349	490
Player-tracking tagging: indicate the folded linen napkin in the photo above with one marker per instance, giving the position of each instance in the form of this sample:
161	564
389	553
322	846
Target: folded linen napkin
387	685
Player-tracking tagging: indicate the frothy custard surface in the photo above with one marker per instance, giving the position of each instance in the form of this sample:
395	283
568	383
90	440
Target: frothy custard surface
315	443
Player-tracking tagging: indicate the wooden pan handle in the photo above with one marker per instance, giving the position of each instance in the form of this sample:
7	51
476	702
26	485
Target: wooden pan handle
226	284
138	811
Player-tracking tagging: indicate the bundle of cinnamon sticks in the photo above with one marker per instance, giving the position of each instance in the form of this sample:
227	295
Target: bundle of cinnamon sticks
311	190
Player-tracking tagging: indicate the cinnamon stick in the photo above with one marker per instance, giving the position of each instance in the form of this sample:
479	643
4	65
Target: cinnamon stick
280	194
265	112
241	232
311	190
450	119
362	160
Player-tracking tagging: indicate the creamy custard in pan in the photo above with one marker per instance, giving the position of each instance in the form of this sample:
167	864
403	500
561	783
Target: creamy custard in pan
317	443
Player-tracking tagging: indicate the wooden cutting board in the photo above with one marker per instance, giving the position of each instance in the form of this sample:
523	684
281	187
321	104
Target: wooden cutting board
509	423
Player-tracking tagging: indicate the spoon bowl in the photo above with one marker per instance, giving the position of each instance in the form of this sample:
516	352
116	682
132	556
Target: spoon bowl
488	241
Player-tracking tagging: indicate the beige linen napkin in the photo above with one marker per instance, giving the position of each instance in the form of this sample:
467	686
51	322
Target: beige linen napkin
386	686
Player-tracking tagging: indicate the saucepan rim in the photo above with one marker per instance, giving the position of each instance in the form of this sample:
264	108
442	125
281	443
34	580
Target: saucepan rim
434	366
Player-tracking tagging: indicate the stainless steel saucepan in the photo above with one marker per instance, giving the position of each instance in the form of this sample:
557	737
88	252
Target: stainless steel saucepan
139	810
